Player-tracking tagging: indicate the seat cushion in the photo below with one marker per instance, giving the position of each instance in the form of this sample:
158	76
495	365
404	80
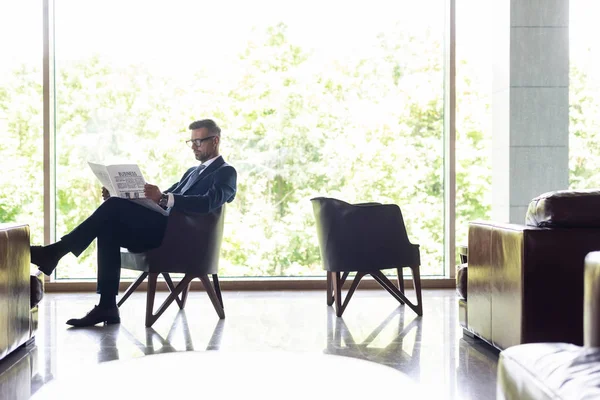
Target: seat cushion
549	371
134	261
565	209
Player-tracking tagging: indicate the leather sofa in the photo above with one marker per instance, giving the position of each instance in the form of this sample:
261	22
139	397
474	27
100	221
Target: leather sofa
558	370
524	283
20	290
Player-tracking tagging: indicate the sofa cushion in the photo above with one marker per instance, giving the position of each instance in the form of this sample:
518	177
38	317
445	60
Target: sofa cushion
565	209
549	371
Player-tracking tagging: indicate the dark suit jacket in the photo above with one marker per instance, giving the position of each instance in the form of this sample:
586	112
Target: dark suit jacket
215	186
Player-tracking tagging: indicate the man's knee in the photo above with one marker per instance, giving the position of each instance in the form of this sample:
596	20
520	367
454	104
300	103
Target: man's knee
112	203
111	209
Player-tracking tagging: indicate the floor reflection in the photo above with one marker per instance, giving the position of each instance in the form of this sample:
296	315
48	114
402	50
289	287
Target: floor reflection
19	375
155	343
429	350
385	344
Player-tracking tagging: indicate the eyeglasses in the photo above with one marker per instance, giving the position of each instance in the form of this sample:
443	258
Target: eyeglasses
198	142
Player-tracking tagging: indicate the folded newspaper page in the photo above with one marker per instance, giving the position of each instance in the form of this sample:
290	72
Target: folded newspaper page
125	181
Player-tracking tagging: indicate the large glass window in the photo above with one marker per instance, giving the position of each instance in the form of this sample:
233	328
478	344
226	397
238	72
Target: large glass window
584	95
21	116
473	114
315	98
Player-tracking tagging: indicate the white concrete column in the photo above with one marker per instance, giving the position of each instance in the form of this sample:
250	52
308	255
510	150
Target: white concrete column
530	103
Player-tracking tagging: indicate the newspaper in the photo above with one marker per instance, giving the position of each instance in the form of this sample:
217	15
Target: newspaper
125	181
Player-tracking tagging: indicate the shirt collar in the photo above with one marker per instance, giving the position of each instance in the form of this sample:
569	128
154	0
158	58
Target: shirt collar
208	162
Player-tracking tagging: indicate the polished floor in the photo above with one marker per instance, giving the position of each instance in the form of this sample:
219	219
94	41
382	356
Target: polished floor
429	350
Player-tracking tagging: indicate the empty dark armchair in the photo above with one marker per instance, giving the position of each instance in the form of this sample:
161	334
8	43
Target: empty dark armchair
191	246
364	238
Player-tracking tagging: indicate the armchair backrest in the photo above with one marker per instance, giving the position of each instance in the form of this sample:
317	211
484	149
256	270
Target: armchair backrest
192	243
363	236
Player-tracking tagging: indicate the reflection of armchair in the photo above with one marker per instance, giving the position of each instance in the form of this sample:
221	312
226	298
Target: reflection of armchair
191	246
365	238
168	344
397	352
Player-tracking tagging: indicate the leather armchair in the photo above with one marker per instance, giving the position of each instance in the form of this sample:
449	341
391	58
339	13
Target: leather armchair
364	238
191	245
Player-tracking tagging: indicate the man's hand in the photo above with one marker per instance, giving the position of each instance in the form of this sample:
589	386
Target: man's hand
152	192
105	193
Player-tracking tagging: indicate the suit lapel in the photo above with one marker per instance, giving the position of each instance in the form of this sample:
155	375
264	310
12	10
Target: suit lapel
210	169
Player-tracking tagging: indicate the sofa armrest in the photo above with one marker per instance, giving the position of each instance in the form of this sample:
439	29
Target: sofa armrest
529	281
591	308
14	286
494	281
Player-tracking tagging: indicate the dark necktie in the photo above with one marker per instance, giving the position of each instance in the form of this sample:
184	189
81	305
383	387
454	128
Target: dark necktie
192	178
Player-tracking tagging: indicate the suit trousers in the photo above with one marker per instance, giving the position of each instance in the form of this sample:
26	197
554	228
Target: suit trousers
116	223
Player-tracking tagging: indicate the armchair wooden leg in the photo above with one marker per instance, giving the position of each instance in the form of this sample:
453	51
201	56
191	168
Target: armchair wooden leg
337	293
329	289
169	282
218	289
416	273
184	295
212	295
150	316
401	282
337	290
132	288
150	298
344	277
395	292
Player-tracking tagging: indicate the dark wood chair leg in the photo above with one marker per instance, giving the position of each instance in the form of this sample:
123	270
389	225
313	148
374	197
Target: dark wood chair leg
218	289
150	317
132	288
212	295
169	282
395	292
337	293
184	295
353	286
401	279
341	304
151	292
329	289
344	277
416	273
401	282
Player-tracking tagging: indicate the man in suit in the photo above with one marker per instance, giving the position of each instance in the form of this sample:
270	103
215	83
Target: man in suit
123	223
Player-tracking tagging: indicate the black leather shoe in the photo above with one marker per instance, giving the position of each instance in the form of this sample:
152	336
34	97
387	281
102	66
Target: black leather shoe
97	315
44	258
